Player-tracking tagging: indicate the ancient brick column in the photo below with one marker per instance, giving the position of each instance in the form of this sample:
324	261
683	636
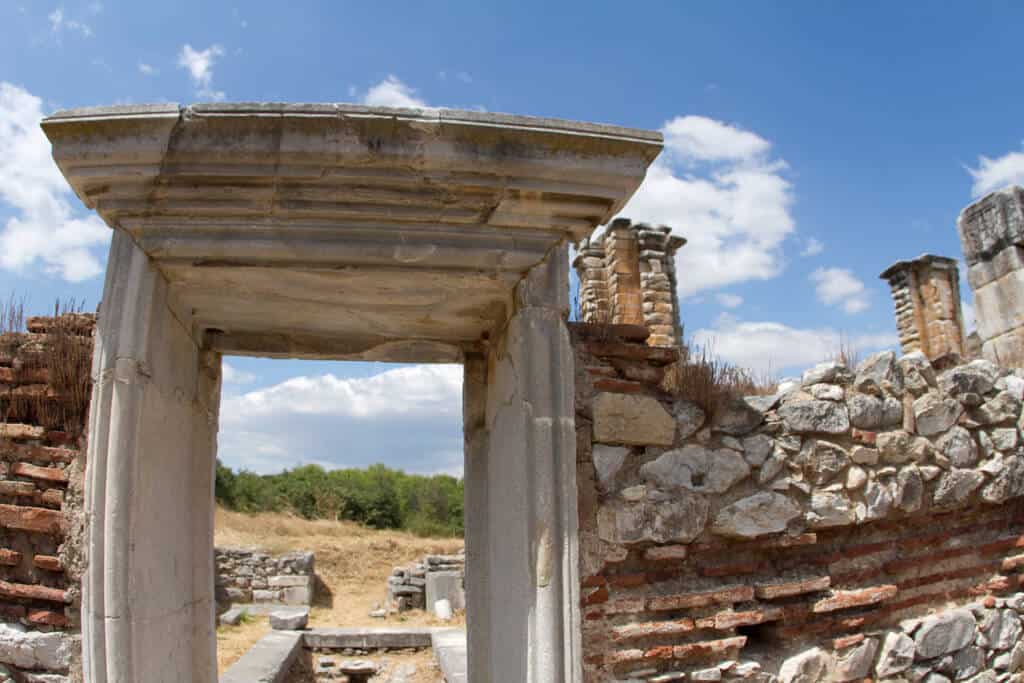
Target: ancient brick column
593	298
622	263
627	276
659	296
926	292
992	236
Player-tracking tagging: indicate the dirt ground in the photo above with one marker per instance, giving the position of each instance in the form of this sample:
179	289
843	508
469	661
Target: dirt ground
352	563
426	669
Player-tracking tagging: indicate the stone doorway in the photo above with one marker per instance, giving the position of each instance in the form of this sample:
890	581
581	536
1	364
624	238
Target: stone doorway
334	232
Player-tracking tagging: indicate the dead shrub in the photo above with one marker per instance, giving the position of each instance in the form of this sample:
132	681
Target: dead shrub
12	315
710	382
52	382
846	353
69	364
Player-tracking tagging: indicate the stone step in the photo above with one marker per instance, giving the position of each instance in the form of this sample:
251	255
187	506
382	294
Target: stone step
368	638
450	651
268	661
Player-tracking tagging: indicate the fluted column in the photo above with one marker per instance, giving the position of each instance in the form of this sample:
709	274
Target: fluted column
523	621
148	603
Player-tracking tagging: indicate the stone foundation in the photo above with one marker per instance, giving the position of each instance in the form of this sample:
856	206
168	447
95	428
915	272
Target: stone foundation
250	576
867	523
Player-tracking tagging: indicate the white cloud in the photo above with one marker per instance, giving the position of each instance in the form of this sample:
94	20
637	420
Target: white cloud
60	23
199	64
408	417
995	174
147	69
775	347
729	300
840	287
43	228
391	92
812	247
718	186
704	139
232	375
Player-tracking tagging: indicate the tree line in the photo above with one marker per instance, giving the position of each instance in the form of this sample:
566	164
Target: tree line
377	496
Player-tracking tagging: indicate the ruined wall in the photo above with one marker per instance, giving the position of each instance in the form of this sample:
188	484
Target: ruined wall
43	382
420	585
863	525
251	576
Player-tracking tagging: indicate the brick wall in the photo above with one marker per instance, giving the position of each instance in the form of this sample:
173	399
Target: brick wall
42	446
860	525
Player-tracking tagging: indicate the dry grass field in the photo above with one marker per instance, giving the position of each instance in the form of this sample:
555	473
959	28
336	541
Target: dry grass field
352	563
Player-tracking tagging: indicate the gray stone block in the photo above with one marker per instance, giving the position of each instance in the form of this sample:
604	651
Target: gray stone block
291	581
233	617
289	619
268	661
445	586
449	647
297	596
368	638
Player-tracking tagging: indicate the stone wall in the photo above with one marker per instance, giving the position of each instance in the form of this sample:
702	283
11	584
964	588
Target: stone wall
420	585
252	576
42	444
859	524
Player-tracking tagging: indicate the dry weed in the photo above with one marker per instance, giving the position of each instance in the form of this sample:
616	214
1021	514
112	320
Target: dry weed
847	354
705	379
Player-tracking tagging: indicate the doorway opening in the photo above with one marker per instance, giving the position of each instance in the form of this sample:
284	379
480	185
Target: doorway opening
350	471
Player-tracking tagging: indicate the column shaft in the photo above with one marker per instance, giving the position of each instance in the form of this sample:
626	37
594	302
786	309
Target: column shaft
528	553
148	608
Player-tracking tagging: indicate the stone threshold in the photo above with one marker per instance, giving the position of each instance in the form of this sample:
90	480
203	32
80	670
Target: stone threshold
274	656
270	660
450	651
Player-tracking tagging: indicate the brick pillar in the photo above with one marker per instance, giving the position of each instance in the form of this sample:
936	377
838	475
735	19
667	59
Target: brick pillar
660	300
628	275
992	236
594	304
926	293
622	262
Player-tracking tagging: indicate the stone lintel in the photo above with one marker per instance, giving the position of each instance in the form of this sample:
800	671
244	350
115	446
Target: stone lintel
297	224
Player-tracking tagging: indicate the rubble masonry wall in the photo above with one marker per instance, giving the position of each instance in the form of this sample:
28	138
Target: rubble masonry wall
252	576
865	524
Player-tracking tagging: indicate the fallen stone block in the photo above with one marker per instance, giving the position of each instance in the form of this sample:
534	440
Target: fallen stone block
233	617
289	619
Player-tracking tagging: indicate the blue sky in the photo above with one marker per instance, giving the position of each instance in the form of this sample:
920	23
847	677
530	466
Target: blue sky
809	146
